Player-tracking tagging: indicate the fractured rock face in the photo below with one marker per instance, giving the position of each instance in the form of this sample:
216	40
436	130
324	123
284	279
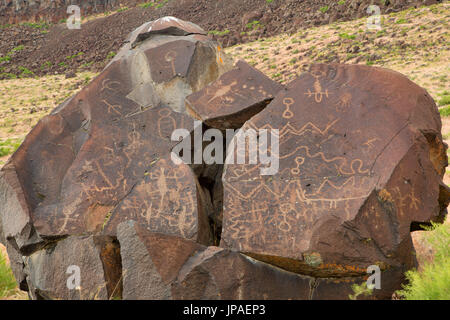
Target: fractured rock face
235	97
52	273
103	156
168	200
84	159
151	261
158	266
361	160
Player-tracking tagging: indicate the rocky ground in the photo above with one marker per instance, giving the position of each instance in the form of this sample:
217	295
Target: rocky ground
413	42
42	48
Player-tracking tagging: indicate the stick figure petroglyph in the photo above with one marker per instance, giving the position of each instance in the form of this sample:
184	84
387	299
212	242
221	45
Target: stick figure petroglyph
344	102
170	57
287	114
108	84
112	107
318	92
166	123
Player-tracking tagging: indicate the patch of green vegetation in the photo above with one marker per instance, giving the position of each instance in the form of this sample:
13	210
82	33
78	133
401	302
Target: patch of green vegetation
25	71
8	75
36	25
122	9
360	289
381	33
433	282
255	24
46	64
17	49
341	2
161	4
324	9
146	5
345	35
87	64
111	55
5	58
443	78
445	100
7	282
75	55
9	146
87	79
219	33
401	21
269	1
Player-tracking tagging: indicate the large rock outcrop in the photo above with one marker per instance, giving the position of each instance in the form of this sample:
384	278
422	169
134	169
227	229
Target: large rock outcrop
361	166
95	184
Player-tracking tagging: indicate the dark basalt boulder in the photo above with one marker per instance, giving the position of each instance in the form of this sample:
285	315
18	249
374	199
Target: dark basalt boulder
95	185
361	166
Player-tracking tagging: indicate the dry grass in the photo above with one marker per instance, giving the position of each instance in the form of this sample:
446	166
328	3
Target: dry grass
8	288
24	101
414	42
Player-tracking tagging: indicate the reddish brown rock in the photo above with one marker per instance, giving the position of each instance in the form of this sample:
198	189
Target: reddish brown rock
51	272
167	200
84	159
361	162
151	261
158	266
232	99
216	273
99	157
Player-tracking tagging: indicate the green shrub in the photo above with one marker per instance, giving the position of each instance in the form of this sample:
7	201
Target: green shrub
345	35
444	101
146	5
36	25
219	33
324	9
433	282
401	21
161	4
25	71
111	55
255	24
9	146
7	282
360	289
445	112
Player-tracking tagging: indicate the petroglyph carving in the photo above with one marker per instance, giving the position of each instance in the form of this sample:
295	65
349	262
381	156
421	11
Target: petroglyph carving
318	92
